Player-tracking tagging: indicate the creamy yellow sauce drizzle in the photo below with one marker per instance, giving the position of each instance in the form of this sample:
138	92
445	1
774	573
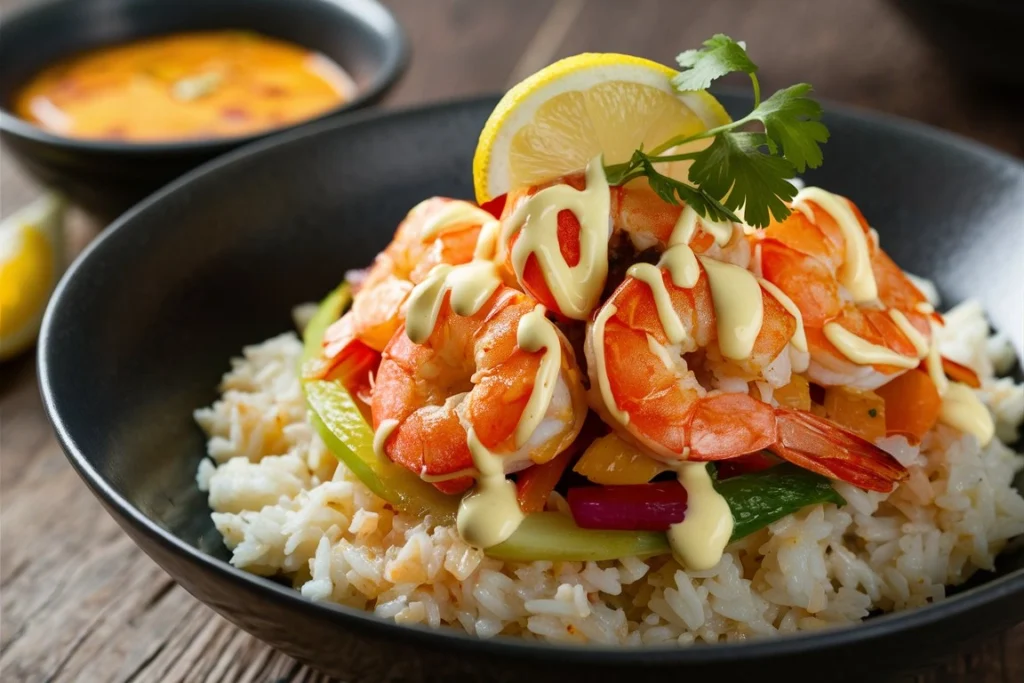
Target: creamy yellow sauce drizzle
436	478
739	308
799	338
961	408
964	411
535	332
863	352
855	274
487	243
490	513
576	289
681	263
381	435
471	285
910	332
652	277
453	213
603	384
700	539
686	227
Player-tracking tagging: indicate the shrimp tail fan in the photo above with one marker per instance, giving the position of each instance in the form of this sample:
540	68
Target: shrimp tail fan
818	445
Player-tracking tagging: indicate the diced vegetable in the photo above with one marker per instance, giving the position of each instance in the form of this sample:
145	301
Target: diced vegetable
535	483
555	537
646	507
912	404
861	412
796	394
761	498
610	460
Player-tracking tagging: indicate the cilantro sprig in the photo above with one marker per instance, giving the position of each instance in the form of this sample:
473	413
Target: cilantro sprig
739	169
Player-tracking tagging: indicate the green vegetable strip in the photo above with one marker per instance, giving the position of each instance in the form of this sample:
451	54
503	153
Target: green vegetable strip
327	312
761	498
554	536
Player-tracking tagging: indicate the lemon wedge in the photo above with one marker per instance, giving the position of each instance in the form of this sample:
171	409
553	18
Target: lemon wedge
31	260
561	117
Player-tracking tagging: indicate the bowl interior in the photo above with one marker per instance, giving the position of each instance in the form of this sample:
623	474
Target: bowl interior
359	35
143	327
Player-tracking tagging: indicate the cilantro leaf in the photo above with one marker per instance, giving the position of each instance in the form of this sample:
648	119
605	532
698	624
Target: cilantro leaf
720	55
734	170
790	119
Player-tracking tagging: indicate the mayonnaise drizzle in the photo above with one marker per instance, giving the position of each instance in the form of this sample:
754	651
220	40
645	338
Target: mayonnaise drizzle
686	227
863	352
603	383
471	285
681	263
490	513
535	332
962	410
739	307
910	332
577	289
855	273
700	539
653	278
455	212
381	435
487	243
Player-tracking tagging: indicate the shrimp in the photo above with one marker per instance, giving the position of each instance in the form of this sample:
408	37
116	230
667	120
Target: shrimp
814	256
663	337
436	231
470	381
637	221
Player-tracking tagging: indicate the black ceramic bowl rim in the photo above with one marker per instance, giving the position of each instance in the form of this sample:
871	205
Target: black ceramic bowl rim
395	62
876	628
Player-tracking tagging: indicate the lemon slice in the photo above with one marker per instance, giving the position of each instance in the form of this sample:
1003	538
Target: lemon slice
31	259
561	117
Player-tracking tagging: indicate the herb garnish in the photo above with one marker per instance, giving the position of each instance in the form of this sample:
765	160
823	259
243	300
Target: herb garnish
739	169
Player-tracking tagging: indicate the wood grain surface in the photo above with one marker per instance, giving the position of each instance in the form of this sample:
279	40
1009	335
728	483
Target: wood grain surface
79	602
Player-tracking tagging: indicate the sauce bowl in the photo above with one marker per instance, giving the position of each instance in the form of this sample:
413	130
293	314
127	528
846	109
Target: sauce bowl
142	327
107	177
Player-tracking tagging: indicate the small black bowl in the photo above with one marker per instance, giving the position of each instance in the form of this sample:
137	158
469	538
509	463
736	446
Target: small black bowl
142	327
106	178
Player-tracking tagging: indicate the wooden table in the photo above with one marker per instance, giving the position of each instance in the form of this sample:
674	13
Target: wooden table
81	603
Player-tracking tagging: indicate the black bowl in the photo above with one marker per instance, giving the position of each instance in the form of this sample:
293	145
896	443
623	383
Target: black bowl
106	178
141	328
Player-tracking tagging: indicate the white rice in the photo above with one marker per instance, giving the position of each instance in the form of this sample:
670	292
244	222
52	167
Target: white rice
286	507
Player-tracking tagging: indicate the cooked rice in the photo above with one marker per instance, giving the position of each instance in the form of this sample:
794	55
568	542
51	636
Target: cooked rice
286	507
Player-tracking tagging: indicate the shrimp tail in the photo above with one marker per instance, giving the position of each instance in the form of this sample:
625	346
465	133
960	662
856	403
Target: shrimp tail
815	444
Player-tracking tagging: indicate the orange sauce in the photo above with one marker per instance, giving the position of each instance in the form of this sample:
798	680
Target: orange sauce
189	85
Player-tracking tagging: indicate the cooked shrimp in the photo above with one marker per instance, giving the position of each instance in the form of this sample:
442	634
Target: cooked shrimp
865	321
551	251
436	231
465	378
653	343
